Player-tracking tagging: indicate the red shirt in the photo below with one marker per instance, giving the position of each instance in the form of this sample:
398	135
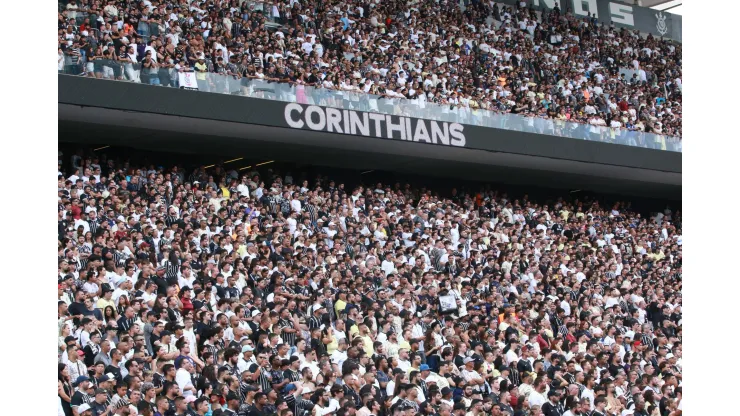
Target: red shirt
76	212
541	341
187	305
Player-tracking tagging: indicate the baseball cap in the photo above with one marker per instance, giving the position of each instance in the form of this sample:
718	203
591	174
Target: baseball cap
247	348
81	379
83	408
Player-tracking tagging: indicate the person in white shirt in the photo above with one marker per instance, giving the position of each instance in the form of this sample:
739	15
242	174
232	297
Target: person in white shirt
588	392
387	265
339	356
403	360
537	396
471	376
183	380
246	359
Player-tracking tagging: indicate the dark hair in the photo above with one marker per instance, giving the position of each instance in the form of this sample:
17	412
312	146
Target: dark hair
60	368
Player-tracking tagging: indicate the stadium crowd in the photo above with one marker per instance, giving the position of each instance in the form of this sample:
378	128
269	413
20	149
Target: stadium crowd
490	56
224	292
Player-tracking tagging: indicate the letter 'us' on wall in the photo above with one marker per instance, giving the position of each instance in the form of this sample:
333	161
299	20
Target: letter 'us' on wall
366	124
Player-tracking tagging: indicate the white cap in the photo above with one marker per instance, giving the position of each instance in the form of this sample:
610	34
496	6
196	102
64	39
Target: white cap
255	313
83	407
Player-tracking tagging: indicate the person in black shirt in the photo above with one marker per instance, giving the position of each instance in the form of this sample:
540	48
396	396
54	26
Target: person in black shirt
85	392
98	405
551	408
83	306
599	406
258	409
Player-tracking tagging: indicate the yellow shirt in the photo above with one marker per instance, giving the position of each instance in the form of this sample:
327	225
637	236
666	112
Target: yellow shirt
225	192
354	330
242	251
102	304
332	346
405	344
200	67
367	344
339	306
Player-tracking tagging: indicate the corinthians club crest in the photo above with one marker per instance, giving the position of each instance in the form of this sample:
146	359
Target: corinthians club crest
661	26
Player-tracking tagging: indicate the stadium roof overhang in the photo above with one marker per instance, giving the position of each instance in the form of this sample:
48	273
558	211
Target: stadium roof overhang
159	132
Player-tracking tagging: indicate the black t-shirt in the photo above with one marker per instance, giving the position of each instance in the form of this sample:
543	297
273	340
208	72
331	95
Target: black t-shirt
97	408
548	409
78	399
172	408
77	308
256	336
116	372
507	408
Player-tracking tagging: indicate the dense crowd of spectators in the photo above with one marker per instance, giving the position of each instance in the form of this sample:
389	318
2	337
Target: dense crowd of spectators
225	292
490	56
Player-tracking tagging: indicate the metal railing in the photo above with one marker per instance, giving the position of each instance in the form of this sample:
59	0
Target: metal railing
353	100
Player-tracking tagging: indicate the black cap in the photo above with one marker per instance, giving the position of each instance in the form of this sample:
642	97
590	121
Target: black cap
232	396
459	406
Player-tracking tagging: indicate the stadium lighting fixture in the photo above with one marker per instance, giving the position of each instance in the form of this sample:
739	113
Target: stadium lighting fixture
245	167
100	148
264	163
228	161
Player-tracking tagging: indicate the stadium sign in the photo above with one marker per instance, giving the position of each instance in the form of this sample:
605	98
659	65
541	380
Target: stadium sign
620	14
366	124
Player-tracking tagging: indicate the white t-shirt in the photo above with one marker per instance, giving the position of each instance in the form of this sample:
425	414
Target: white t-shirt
587	394
182	377
536	399
338	357
511	357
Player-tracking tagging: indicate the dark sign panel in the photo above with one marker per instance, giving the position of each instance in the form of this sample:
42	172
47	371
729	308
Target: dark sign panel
621	14
376	128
